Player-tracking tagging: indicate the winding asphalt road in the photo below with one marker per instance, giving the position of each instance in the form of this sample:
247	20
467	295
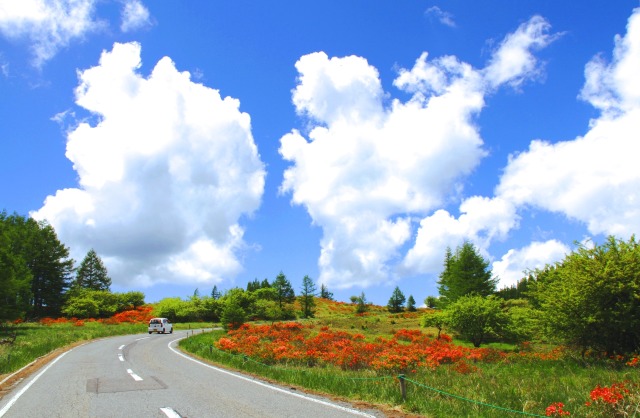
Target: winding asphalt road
146	376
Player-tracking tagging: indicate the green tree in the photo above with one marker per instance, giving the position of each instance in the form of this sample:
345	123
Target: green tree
92	273
215	294
307	297
431	302
465	273
524	323
168	308
411	304
232	316
361	304
517	291
212	309
477	318
254	285
324	292
107	303
51	269
81	307
396	301
435	319
266	293
36	267
591	299
15	277
284	291
130	300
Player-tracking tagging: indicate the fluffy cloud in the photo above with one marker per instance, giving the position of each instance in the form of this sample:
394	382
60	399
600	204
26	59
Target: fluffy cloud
514	61
513	265
134	16
367	169
594	178
166	172
481	221
50	25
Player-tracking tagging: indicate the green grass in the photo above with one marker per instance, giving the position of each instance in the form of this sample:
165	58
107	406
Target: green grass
526	386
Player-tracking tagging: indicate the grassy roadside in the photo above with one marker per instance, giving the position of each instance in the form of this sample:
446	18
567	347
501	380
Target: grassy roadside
501	389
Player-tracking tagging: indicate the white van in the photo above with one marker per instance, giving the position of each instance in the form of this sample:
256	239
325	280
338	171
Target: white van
160	325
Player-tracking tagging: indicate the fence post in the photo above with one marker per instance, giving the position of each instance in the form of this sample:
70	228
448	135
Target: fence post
210	350
403	387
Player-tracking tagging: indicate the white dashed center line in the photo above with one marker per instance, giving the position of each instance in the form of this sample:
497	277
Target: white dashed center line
170	412
135	376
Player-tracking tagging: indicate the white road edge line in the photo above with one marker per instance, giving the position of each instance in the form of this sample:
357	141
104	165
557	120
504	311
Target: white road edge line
170	412
28	385
277	389
135	376
122	346
120	357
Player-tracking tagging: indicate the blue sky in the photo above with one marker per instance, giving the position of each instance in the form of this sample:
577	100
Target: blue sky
205	143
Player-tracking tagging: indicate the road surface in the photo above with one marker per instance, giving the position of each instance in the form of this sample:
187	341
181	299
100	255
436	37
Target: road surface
146	376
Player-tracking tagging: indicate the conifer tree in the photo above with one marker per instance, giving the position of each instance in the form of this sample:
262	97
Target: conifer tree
324	292
411	304
396	301
465	273
284	291
35	267
92	273
307	301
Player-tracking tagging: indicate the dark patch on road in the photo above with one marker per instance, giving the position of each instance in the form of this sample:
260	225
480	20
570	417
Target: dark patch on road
115	385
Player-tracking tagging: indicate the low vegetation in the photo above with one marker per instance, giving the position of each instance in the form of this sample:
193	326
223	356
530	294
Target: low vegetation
362	357
565	340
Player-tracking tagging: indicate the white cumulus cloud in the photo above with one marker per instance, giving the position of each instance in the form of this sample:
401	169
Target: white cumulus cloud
515	263
594	178
366	169
166	173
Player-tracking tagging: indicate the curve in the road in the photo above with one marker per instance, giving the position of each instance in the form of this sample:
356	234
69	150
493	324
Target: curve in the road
268	386
93	386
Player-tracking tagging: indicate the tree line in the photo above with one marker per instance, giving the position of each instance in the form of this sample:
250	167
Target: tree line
261	300
590	300
38	278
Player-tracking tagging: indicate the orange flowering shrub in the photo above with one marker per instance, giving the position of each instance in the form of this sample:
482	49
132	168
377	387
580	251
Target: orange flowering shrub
556	410
139	315
292	342
617	400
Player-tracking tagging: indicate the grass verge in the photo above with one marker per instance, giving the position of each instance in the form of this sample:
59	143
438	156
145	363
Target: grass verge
504	389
